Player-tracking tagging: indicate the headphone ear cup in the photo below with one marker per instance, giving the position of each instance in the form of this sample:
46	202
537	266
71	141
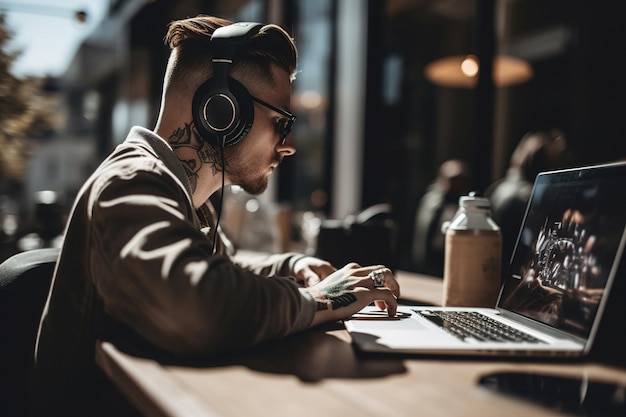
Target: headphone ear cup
222	116
243	120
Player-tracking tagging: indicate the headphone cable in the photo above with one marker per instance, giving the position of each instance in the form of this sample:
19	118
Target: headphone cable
219	210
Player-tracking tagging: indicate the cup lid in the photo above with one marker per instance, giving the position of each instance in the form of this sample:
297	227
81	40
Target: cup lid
474	202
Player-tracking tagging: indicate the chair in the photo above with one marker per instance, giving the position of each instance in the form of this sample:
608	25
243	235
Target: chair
365	237
25	280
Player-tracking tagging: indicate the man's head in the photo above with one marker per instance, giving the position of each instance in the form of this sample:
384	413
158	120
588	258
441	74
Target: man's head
541	150
264	63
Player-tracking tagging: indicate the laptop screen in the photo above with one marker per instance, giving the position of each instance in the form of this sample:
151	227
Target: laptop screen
567	247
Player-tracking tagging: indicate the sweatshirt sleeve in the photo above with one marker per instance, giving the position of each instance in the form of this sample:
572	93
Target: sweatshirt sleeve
267	264
155	273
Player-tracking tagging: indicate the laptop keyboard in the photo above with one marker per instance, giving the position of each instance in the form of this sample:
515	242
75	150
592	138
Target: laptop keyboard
472	326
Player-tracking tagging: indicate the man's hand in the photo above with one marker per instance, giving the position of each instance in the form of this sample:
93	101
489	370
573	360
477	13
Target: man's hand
349	289
311	270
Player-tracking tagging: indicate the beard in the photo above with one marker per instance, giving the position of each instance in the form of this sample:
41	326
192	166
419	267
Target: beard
243	173
254	187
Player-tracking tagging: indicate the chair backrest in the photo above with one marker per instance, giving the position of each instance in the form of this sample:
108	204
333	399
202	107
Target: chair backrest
25	280
365	237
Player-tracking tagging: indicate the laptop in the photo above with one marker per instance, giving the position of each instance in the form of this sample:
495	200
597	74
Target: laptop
554	294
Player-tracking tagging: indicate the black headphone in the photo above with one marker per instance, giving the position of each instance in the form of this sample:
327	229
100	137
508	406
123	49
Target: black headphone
222	107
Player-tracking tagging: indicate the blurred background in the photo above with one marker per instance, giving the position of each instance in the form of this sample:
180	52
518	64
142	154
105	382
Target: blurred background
387	91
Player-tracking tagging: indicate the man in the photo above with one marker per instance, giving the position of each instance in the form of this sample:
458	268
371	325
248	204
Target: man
142	263
537	151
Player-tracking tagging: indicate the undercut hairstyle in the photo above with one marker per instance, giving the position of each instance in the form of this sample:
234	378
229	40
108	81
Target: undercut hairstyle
191	40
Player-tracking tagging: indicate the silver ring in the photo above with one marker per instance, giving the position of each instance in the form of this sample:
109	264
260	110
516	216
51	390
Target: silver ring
378	277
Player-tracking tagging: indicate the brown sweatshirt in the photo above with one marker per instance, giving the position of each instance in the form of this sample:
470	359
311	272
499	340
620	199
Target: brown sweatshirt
137	267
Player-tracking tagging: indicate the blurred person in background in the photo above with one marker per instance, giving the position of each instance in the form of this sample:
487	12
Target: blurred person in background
143	263
537	151
42	229
45	229
438	204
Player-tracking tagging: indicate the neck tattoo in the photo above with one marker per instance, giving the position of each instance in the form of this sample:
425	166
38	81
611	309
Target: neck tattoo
193	152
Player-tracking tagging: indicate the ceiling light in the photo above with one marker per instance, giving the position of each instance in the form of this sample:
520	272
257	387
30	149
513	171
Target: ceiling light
462	71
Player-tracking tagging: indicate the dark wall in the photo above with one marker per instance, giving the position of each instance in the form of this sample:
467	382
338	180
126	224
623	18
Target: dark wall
579	87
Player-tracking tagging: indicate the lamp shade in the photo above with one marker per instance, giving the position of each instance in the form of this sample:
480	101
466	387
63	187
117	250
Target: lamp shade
462	71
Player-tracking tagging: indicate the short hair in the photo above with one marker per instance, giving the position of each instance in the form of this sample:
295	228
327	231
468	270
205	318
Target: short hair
534	153
191	39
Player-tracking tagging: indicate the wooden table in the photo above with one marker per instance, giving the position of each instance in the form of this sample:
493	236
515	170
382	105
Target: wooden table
318	373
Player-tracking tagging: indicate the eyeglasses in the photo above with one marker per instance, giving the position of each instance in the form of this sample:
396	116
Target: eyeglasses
284	126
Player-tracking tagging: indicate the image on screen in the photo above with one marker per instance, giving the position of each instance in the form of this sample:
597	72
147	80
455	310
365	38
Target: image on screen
567	247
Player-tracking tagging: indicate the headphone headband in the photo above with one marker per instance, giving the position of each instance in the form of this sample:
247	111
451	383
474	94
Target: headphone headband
237	32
